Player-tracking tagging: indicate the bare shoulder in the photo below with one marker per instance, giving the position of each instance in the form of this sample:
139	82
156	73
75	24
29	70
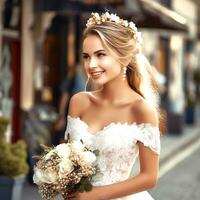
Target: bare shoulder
78	102
144	112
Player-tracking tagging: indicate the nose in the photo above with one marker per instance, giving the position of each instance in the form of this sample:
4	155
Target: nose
93	63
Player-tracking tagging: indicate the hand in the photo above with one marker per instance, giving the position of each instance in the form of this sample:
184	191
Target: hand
94	194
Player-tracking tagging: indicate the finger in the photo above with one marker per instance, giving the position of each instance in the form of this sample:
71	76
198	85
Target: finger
72	195
69	198
72	198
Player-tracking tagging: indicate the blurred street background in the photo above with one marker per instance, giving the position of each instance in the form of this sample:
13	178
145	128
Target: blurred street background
41	68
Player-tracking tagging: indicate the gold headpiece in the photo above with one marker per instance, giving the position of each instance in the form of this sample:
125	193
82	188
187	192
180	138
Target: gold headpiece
96	19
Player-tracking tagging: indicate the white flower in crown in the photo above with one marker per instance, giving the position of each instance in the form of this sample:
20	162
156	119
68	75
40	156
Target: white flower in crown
132	26
98	19
103	18
124	23
90	22
96	15
114	18
107	15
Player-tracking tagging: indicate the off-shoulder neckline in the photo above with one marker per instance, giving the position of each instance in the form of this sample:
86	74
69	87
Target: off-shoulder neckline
133	124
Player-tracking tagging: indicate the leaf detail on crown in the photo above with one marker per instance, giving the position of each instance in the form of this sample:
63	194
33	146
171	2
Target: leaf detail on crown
96	19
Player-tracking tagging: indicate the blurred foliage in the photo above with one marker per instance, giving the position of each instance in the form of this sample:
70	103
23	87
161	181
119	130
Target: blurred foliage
3	126
13	156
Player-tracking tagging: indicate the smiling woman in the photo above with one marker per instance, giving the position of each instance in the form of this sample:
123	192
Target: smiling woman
121	118
98	62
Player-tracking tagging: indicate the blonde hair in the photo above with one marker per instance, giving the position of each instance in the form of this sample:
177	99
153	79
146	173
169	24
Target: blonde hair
117	40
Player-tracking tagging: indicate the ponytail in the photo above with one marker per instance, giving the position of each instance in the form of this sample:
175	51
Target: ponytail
141	79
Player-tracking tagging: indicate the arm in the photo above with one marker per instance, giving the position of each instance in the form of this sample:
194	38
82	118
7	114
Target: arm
145	180
149	160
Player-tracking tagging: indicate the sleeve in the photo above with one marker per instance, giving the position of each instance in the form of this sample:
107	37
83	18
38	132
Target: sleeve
73	128
149	135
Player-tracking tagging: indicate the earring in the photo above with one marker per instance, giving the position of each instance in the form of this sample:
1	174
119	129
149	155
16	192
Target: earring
124	73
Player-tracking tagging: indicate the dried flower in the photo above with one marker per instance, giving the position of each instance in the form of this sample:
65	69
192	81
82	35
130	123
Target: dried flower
66	168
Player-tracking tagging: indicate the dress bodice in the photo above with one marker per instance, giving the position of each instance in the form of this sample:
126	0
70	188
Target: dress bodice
117	144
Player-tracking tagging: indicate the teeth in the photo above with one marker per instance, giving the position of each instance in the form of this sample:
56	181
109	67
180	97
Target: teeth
96	73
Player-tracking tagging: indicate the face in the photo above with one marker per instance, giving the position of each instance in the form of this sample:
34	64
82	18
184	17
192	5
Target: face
99	64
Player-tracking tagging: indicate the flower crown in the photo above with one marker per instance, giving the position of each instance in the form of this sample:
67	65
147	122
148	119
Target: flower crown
107	17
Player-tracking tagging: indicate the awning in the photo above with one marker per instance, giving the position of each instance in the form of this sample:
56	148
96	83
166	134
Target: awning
146	13
75	6
156	16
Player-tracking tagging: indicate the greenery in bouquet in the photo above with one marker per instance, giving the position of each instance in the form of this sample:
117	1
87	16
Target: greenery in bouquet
64	169
13	156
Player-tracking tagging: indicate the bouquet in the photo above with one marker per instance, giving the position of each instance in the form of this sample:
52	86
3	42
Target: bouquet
64	169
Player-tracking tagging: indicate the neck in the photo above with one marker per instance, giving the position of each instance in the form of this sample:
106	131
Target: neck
116	91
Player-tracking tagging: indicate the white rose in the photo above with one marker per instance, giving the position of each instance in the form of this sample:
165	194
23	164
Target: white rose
89	157
66	166
38	176
41	176
77	146
49	176
63	150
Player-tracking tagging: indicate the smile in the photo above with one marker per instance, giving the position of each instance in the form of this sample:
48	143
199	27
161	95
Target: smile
96	74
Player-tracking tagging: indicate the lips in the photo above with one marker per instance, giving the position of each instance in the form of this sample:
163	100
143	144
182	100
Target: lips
96	74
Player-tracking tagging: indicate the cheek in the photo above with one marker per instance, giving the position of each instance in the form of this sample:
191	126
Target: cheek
107	62
112	66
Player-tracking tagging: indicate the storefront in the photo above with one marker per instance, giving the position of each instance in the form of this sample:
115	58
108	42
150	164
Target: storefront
10	63
164	32
49	43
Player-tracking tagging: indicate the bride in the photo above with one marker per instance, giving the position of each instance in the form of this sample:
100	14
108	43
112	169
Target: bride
121	118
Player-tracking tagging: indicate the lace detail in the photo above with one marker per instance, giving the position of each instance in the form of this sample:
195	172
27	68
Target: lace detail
149	136
117	143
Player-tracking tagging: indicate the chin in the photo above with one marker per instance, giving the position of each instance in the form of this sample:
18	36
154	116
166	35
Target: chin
99	81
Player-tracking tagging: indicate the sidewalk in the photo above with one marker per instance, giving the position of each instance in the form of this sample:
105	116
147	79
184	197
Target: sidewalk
170	146
173	144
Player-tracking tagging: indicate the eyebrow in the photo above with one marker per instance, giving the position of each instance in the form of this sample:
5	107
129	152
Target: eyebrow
96	52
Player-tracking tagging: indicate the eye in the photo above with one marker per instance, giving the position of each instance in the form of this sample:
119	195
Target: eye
85	56
101	54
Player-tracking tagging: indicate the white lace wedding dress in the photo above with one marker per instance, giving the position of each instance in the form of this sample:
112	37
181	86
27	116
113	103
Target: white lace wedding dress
117	143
